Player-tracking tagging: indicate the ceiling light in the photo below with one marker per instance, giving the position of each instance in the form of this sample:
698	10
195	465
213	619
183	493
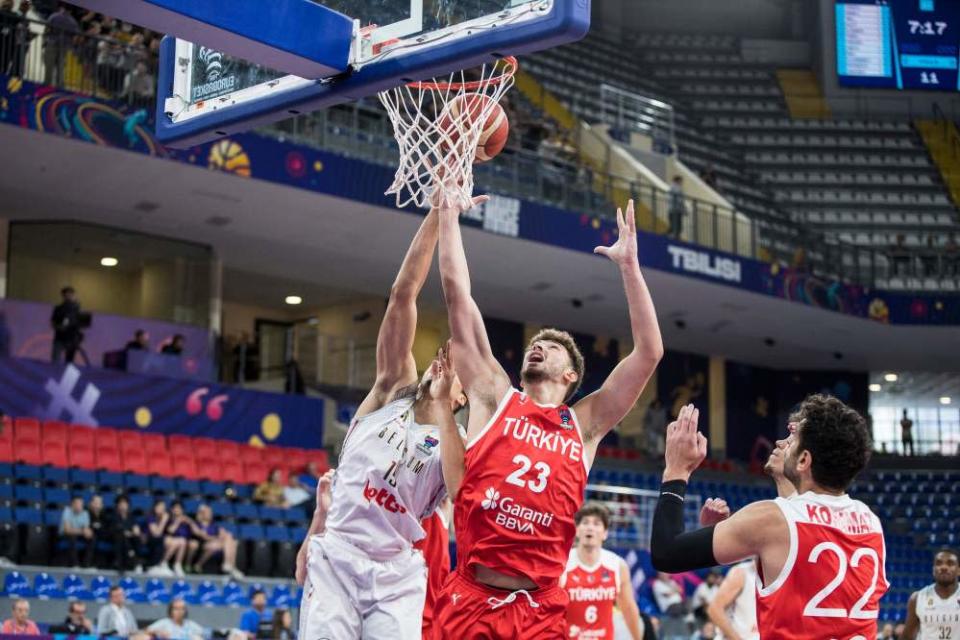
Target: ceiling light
108	262
875	387
890	377
293	299
944	399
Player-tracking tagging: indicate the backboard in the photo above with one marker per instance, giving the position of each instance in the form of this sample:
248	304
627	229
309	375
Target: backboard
204	93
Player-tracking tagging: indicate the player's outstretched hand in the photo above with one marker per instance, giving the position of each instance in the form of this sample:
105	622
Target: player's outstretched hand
446	196
686	447
325	491
624	250
714	511
442	374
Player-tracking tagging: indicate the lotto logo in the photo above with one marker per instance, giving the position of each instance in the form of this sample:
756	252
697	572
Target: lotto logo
383	498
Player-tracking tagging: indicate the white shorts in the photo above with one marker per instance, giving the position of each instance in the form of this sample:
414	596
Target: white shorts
348	596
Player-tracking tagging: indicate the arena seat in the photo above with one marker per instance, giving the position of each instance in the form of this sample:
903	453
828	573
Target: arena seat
100	588
82	436
160	464
132	589
80	456
28	452
134	460
46	587
54	452
54	430
154	444
156	592
75	588
251	455
16	585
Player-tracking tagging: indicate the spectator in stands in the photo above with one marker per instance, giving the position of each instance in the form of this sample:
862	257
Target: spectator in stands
138	85
898	631
654	428
930	258
271	491
257	621
176	626
75	531
175	346
140	342
900	256
294	494
77	622
707	632
211	539
163	548
99	526
61	27
180	530
677	208
310	477
906	433
124	532
110	61
65	321
283	626
20	624
9	23
669	597
705	593
116	619
709	175
886	633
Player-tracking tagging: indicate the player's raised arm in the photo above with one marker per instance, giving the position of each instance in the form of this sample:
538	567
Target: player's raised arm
396	367
483	379
604	408
452	448
726	594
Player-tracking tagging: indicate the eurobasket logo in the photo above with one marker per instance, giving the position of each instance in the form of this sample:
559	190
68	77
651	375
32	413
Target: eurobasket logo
513	516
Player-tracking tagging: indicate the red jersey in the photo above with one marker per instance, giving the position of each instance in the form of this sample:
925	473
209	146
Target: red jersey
593	592
435	547
832	581
525	474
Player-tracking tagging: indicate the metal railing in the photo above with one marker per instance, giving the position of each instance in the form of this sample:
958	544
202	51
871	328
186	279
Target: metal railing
631	512
636	112
334	361
107	68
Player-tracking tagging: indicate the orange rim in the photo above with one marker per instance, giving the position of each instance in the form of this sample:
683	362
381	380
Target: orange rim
511	68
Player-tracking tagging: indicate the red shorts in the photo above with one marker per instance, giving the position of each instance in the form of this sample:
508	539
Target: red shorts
468	610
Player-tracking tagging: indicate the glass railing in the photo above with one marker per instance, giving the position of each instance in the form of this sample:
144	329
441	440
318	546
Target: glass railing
111	69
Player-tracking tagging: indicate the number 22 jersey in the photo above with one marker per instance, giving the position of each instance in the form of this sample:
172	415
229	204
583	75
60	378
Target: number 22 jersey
831	583
525	475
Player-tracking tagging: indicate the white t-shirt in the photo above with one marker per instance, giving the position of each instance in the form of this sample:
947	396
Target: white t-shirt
704	594
667	594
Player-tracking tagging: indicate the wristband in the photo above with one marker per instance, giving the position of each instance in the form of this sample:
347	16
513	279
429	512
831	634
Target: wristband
674	489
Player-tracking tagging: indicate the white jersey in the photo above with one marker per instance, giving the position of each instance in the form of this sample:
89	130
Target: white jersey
939	617
742	612
388	479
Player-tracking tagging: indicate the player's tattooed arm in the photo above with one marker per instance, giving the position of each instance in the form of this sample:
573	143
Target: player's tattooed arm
911	626
452	448
317	525
396	367
483	379
603	409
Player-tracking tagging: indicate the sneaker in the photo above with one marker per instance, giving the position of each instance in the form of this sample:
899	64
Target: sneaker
178	570
235	573
158	570
138	569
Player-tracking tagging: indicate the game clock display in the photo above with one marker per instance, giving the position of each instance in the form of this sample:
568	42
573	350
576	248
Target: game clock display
898	44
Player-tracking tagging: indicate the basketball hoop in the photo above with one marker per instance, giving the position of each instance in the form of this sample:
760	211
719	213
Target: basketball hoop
440	124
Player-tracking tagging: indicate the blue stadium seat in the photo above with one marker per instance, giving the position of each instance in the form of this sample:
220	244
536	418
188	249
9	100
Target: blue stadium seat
157	592
281	597
161	484
133	590
58	497
6	491
112	480
182	589
27	493
251	532
6	470
28	515
222	508
46	587
52	517
208	594
243	491
100	587
246	511
136	481
276	533
15	585
214	490
190	505
141	502
83	477
273	514
188	487
297	534
74	587
109	499
233	595
28	472
57	475
295	515
6	514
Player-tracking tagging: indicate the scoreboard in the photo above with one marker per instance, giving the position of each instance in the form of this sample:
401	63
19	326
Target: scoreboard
898	44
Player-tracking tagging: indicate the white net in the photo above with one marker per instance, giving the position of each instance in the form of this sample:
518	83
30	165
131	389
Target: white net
439	126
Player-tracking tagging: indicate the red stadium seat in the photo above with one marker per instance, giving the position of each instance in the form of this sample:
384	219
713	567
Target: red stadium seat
134	461
130	440
83	436
255	472
82	456
159	465
26	430
179	443
6	429
209	469
27	452
276	457
228	449
232	471
6	451
107	438
207	448
54	453
296	458
154	443
185	467
55	430
251	455
109	459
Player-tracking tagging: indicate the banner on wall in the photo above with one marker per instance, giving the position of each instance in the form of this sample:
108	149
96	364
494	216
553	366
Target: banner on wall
102	397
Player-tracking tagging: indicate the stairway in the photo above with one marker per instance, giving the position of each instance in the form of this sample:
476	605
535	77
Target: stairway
802	93
943	142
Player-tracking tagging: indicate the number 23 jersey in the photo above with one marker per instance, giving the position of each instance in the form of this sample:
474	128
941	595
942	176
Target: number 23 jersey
525	475
833	578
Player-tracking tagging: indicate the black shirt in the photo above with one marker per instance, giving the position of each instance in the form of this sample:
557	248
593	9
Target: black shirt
172	349
71	629
66	320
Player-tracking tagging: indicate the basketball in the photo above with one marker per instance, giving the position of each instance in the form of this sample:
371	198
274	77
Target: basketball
470	107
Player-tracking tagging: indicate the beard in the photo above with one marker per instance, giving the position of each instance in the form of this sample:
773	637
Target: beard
790	472
528	375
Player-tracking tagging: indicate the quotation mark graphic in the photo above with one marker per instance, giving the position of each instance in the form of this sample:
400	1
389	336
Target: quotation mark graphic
214	407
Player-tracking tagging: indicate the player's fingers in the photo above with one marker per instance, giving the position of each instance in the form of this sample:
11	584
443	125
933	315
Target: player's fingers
478	200
603	251
631	217
695	418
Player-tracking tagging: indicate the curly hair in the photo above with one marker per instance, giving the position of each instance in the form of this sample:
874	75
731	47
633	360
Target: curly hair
566	341
836	437
596	510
